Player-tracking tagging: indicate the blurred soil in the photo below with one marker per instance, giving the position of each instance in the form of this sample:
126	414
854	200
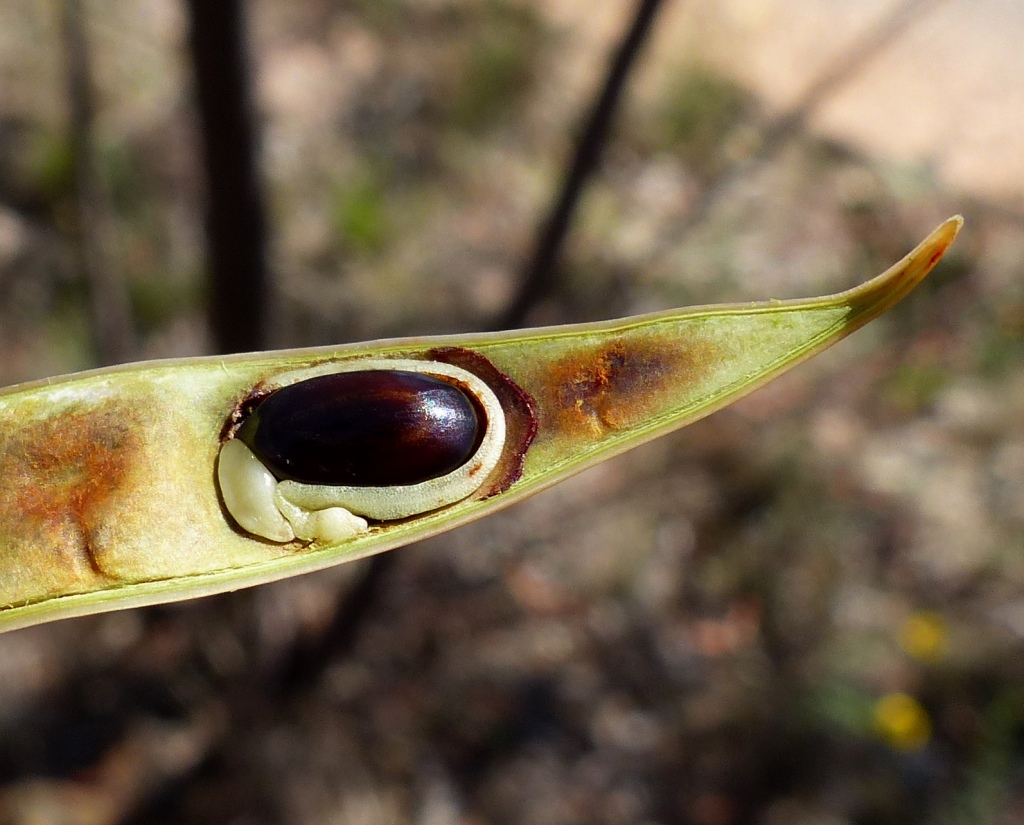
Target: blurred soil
807	609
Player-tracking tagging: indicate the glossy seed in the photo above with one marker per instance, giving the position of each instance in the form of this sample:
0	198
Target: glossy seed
370	428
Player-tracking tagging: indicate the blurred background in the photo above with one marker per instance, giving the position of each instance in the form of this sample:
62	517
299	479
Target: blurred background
807	609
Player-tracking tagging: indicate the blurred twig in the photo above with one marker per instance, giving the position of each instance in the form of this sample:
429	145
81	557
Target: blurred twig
777	134
308	658
110	308
236	230
551	237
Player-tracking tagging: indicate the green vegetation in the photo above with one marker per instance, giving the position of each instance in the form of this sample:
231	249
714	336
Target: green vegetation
697	114
498	57
359	213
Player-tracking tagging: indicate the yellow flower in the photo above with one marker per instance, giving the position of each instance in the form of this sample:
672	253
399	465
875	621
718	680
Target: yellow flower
925	636
902	722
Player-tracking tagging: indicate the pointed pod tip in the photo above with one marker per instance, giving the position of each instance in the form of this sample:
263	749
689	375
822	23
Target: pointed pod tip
944	235
880	293
926	254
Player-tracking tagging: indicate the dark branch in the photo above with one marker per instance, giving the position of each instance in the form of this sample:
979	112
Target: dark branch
309	657
586	159
110	308
236	231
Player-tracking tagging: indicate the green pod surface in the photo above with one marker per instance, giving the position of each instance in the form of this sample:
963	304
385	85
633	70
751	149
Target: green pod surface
108	487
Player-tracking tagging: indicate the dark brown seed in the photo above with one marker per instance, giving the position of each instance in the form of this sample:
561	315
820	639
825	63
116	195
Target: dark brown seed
372	428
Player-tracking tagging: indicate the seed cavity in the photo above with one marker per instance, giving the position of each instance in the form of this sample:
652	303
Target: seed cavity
329	447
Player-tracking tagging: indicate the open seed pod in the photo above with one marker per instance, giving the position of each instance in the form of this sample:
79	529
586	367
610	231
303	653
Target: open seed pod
170	480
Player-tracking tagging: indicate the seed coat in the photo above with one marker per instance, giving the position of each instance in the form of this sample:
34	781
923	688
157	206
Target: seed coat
369	428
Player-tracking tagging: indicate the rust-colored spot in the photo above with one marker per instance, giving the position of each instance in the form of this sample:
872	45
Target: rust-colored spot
59	477
520	418
614	386
936	255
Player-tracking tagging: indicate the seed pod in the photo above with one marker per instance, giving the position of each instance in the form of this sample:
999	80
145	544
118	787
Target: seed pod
129	486
377	439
